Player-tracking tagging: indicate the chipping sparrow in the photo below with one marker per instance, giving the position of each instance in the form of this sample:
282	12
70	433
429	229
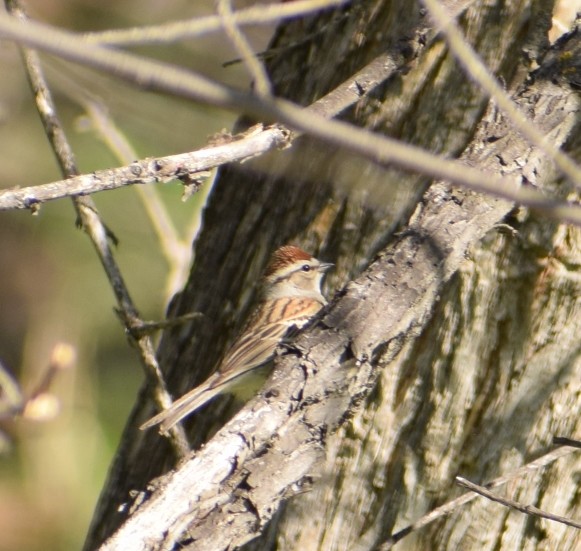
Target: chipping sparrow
291	296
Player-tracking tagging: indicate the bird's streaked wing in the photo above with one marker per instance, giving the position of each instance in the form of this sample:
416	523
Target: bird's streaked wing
264	331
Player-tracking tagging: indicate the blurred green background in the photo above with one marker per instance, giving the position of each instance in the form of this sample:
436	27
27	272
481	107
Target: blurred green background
52	287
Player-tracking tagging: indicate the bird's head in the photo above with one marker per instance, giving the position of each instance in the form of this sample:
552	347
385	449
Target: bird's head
294	272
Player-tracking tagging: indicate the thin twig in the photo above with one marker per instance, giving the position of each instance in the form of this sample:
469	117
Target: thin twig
261	14
148	327
245	51
166	232
14	402
527	509
62	358
176	250
451	506
564	441
91	222
380	149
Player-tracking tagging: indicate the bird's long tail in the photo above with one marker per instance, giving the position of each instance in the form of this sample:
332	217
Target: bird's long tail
187	404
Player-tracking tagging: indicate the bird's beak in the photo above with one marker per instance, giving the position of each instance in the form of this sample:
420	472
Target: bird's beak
324	266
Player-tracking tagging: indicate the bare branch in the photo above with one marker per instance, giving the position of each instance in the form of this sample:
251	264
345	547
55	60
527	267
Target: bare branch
380	149
451	506
91	222
166	233
527	509
239	41
176	249
183	166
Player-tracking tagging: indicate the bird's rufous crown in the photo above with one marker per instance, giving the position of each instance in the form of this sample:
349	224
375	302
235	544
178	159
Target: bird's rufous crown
285	256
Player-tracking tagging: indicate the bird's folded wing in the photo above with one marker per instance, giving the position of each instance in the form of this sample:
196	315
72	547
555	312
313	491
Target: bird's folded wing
264	332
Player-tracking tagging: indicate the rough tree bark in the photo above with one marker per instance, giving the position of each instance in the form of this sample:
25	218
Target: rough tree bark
453	353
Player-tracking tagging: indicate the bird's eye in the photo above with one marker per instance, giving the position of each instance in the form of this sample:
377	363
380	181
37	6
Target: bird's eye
306	268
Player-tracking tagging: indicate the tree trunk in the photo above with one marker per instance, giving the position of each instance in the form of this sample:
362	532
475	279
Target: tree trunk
453	354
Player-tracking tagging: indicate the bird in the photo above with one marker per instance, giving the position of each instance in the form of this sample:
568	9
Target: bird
291	296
